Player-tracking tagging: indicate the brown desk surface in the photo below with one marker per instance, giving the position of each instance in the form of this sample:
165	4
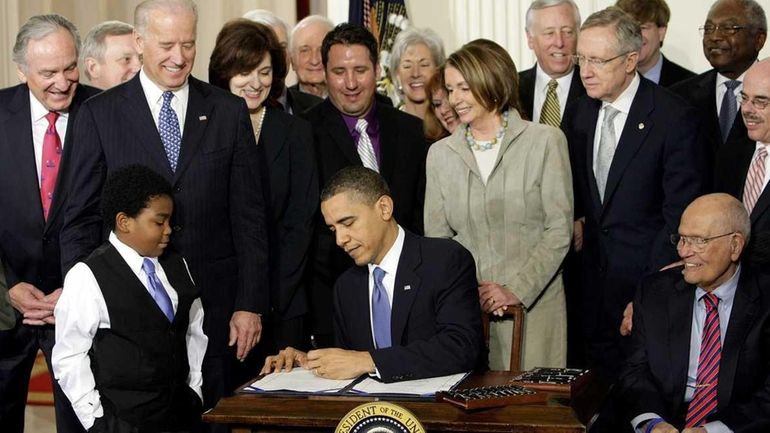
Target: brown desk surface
323	413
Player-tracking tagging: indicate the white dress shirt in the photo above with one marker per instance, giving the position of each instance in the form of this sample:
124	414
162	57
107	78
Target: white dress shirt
541	89
623	104
40	126
81	311
389	264
722	90
154	95
486	159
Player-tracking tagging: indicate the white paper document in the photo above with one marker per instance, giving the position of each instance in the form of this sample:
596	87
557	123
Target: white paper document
419	387
297	380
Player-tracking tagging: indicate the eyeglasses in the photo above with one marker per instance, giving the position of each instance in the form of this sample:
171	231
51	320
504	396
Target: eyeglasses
760	102
698	244
582	60
727	30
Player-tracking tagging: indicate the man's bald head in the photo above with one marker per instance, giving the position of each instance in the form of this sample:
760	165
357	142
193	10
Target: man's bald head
754	95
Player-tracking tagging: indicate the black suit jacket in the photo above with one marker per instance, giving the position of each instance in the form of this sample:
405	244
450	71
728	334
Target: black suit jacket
403	150
527	90
654	175
435	318
219	211
299	101
671	73
655	376
730	171
290	180
700	92
29	244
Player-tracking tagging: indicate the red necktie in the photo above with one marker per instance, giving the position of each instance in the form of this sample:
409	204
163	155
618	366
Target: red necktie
49	168
705	399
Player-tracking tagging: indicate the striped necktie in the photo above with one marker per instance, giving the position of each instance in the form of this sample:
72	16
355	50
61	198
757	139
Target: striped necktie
365	148
550	114
755	180
705	399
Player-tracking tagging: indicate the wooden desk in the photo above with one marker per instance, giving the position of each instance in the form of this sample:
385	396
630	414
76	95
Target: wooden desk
322	413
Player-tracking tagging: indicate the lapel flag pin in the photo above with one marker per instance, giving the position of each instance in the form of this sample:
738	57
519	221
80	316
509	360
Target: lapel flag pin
641	126
201	118
407	287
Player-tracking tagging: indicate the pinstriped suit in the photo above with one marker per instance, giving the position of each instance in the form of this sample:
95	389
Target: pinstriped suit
219	211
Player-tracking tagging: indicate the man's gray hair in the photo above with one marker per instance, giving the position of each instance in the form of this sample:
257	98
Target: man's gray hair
93	44
627	30
754	14
142	12
304	22
38	27
412	36
542	4
268	18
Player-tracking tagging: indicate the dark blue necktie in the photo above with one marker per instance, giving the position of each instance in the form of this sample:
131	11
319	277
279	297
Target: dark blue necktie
157	290
168	127
380	311
729	109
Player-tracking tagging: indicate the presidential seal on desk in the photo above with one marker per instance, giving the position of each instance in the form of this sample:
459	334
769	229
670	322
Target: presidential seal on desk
379	417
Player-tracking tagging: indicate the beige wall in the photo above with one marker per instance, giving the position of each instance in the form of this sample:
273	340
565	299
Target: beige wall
457	21
87	13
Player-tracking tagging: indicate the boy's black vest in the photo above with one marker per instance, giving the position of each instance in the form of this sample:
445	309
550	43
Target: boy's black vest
140	364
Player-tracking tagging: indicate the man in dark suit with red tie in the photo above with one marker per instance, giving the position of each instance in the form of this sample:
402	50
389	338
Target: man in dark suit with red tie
200	138
36	144
351	127
699	360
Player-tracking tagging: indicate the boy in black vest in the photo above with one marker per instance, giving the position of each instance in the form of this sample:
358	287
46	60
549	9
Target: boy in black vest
129	337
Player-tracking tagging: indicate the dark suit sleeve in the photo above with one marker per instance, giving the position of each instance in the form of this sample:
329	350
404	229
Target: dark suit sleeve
682	180
636	387
574	158
81	232
455	346
299	217
247	217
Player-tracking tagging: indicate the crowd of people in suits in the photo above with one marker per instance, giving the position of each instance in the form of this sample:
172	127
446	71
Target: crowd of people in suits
614	195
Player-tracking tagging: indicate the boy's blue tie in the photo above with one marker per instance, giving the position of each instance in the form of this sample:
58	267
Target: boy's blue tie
380	311
157	290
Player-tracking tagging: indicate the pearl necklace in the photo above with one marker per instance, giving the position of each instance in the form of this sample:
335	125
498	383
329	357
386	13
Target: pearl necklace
480	147
258	127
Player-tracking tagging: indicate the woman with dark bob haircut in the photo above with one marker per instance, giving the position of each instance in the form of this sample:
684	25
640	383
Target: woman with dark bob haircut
249	62
502	187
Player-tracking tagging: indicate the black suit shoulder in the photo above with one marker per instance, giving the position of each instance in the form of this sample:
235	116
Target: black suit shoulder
527	92
696	89
671	73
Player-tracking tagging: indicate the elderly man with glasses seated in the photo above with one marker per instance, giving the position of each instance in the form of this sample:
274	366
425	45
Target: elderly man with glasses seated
635	165
699	360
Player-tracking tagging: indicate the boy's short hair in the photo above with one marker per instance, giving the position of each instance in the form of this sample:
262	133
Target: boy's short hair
129	189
